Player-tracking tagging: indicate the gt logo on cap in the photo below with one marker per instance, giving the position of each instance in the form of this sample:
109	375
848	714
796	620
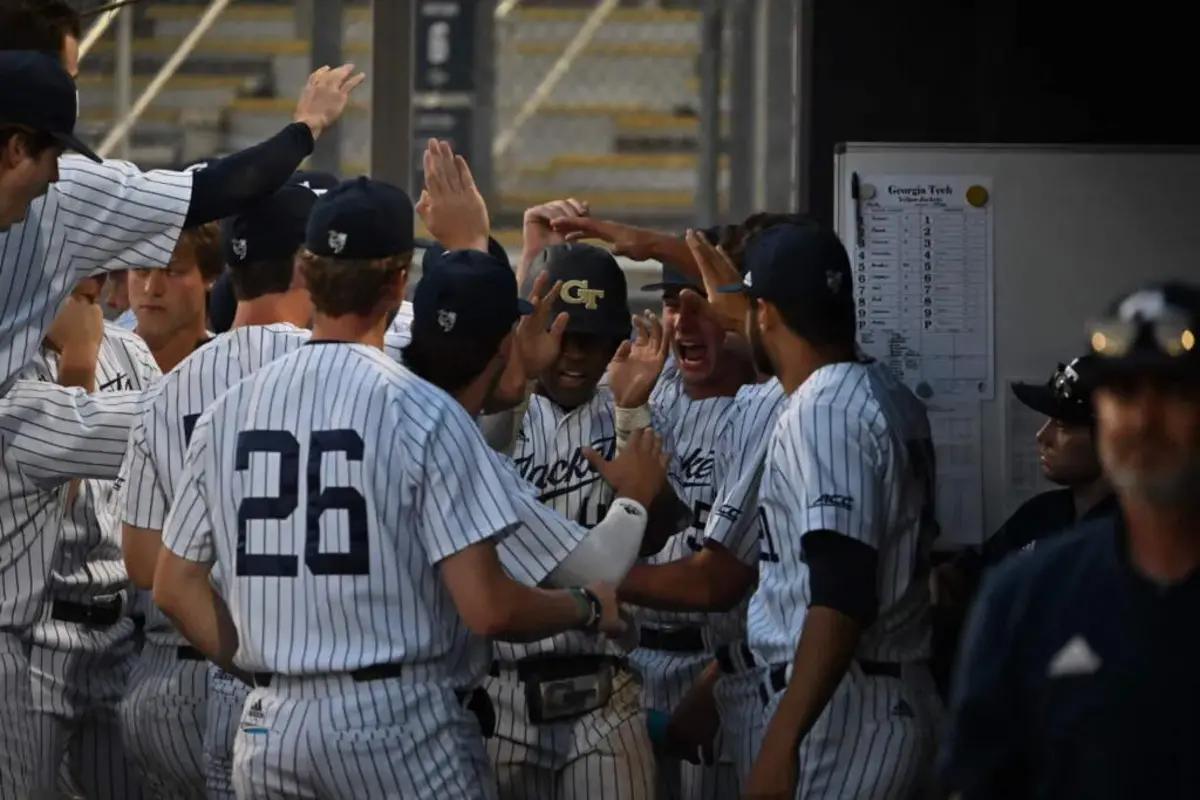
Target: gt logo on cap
577	293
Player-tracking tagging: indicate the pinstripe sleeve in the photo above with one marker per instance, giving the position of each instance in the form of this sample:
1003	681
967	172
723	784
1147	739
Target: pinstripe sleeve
117	217
463	500
532	550
834	472
58	433
188	531
146	503
733	522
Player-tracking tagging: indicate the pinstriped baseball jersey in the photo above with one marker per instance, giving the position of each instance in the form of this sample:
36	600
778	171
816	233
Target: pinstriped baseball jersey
88	562
548	455
48	435
98	217
328	486
851	453
170	409
691	430
739	464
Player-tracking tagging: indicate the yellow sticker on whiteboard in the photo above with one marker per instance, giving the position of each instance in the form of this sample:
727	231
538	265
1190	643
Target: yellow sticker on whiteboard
977	196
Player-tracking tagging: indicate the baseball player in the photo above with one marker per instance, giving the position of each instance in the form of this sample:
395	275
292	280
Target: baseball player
690	403
1077	677
49	436
716	576
597	744
180	717
840	615
359	614
170	304
62	219
82	648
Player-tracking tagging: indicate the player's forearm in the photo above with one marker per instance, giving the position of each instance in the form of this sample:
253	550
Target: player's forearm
707	581
673	250
78	369
527	615
228	184
183	591
827	644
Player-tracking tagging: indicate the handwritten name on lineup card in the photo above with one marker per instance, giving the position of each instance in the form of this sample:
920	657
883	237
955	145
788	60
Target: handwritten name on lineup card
923	270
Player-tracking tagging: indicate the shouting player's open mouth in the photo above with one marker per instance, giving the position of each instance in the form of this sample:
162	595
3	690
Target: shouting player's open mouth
694	357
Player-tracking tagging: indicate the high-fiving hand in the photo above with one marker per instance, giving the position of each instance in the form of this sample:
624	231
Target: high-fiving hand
635	367
325	97
451	206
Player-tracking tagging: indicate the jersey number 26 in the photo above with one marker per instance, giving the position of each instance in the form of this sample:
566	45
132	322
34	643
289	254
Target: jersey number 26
355	561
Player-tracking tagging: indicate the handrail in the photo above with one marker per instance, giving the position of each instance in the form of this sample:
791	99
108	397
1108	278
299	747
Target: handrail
97	30
504	8
206	21
538	96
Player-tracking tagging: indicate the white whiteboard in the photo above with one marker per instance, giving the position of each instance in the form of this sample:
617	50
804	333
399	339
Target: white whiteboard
1072	229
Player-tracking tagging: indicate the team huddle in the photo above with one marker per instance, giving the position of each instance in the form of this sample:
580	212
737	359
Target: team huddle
506	540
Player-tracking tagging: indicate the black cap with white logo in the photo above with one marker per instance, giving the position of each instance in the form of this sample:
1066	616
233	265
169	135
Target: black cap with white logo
594	293
361	218
1153	330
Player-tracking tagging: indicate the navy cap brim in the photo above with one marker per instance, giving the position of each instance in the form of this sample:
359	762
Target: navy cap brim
524	307
70	142
1041	399
734	288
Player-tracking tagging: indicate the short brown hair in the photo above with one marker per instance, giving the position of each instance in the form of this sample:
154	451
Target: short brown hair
341	286
204	245
37	25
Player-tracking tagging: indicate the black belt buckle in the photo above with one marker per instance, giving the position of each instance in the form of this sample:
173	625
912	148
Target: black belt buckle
672	640
99	615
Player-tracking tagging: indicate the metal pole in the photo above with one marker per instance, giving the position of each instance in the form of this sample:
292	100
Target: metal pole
392	49
123	95
483	120
122	128
707	202
96	31
779	105
802	47
555	74
741	109
327	51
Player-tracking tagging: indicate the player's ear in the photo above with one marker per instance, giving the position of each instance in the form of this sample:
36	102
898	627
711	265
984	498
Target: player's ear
767	316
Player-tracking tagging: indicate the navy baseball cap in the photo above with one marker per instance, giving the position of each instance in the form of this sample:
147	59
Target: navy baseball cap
1067	395
222	304
802	266
361	218
35	91
270	230
673	282
1153	330
465	293
593	294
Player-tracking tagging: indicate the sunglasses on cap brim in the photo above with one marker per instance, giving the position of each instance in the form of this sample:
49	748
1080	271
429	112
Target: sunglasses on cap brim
1115	338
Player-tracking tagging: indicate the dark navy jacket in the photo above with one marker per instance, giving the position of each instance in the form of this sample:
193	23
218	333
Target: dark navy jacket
1078	678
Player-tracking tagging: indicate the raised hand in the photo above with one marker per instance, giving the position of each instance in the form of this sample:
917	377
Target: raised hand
539	341
78	328
451	205
717	270
326	96
635	367
639	471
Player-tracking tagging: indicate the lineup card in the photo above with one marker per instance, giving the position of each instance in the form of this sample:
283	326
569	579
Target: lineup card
923	280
